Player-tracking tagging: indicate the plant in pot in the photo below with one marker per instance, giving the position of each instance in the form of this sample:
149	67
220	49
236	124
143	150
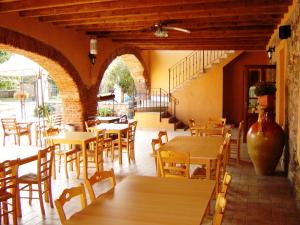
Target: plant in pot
265	92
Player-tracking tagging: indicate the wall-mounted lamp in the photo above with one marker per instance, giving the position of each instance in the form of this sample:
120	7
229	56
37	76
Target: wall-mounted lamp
270	52
93	50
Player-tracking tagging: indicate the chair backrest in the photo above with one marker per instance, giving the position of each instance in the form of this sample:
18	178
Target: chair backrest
99	142
99	176
131	131
8	176
191	123
9	124
66	196
226	183
194	132
44	163
155	143
226	149
220	167
221	203
163	137
57	120
91	123
174	164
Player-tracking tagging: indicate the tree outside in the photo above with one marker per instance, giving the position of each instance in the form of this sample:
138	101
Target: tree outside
118	74
4	56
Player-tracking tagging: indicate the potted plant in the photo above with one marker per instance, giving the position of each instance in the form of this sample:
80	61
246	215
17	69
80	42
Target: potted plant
265	92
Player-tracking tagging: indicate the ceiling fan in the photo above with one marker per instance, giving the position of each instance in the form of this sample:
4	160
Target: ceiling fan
161	30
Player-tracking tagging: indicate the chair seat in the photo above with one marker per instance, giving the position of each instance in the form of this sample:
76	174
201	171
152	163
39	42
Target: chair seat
5	196
28	178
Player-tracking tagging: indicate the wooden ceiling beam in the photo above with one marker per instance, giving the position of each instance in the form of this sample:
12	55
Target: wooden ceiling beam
144	46
40	4
166	16
202	8
115	5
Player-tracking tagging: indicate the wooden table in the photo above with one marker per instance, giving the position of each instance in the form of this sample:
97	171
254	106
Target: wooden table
149	200
113	128
76	138
203	149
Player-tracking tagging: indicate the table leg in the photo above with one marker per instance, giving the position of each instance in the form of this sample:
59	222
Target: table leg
85	161
120	147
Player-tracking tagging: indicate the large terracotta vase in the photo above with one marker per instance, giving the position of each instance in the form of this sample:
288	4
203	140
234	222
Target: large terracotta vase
265	142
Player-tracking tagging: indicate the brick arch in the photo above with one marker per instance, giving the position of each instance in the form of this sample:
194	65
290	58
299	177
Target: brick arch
62	71
121	52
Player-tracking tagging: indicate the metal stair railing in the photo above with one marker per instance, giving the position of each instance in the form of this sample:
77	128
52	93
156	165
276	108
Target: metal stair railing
155	100
192	66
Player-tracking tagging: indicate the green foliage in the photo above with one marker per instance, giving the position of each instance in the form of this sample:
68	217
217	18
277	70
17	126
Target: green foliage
8	84
44	111
265	88
105	112
4	56
118	73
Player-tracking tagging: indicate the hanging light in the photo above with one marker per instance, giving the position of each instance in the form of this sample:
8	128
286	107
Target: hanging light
93	50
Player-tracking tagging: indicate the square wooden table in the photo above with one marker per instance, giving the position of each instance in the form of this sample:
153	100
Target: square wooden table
138	200
203	149
113	128
76	138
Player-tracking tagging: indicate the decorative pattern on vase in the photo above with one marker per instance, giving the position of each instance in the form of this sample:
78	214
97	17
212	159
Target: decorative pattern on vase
265	142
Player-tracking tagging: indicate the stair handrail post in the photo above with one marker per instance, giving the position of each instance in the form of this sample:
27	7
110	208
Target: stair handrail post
160	105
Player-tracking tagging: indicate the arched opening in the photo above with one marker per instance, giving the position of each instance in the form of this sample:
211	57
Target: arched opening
122	79
62	72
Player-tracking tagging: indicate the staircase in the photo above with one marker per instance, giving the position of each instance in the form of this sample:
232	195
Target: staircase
163	102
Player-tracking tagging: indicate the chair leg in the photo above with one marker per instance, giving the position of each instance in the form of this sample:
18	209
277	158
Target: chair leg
30	194
5	209
29	138
50	194
77	165
41	199
54	168
59	163
14	205
66	166
3	143
238	155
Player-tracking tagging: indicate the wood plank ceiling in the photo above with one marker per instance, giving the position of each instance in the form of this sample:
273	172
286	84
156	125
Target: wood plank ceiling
214	24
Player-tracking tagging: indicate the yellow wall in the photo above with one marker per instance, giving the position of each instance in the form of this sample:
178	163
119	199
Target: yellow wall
161	61
203	97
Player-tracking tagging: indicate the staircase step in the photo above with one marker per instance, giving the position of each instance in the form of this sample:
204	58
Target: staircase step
180	125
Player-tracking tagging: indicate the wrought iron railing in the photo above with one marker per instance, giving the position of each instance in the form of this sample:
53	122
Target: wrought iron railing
192	66
155	100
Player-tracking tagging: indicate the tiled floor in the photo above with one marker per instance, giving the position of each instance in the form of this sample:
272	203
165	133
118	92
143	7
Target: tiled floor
252	200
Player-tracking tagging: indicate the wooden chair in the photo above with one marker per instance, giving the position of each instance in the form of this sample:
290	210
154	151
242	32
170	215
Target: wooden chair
107	141
201	172
57	121
8	190
128	141
163	137
155	143
225	183
235	143
99	177
66	196
174	164
11	127
226	150
91	123
41	178
70	155
221	203
217	122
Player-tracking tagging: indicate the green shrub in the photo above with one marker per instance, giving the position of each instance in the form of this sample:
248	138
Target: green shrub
43	112
104	112
265	88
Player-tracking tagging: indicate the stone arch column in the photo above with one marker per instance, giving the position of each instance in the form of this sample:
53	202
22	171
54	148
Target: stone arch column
61	70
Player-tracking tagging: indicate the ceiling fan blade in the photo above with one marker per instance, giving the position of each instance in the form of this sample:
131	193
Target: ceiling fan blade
177	29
